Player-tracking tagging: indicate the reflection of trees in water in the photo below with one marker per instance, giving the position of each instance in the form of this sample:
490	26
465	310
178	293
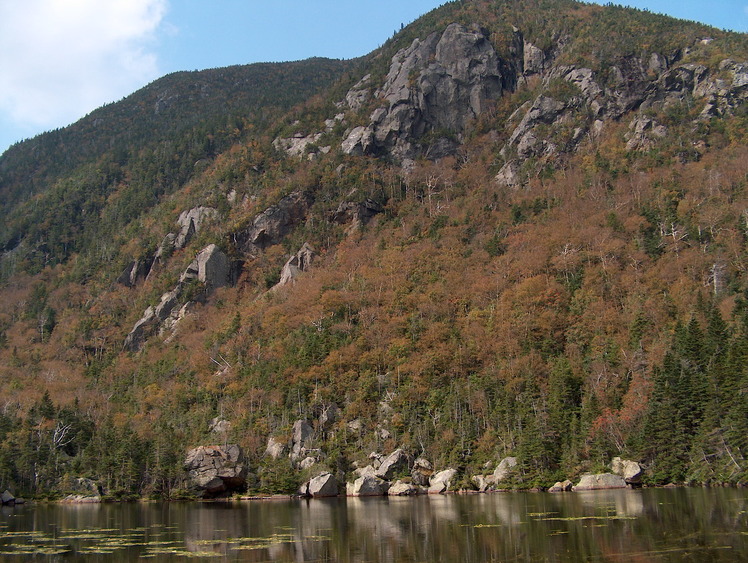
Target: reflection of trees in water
594	525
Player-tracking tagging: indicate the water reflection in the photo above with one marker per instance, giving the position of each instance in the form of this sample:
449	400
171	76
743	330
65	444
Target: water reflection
620	525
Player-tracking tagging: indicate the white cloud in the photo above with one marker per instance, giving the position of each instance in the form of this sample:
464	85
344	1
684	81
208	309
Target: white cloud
60	59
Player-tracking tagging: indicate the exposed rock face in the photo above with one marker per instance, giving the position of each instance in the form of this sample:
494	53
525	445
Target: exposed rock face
644	133
135	272
295	265
214	470
270	226
505	469
356	214
442	482
367	486
323	485
438	83
211	267
275	448
600	481
631	471
395	463
191	222
302	436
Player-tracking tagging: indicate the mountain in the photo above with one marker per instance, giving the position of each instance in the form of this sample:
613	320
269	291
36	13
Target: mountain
517	231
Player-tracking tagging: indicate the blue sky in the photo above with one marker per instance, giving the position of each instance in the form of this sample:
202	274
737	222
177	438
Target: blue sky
60	59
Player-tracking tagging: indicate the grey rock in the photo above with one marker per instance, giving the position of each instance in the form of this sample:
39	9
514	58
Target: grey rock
301	437
441	482
561	487
214	470
306	463
191	222
359	94
396	463
421	472
7	497
295	265
367	486
323	485
506	469
534	59
270	226
275	448
483	482
600	481
441	82
631	471
213	267
355	213
643	133
297	145
508	176
401	489
137	335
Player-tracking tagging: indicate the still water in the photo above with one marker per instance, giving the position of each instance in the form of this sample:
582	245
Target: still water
611	526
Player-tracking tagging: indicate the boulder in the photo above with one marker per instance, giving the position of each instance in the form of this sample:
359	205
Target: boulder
401	489
306	463
7	497
215	470
441	482
295	265
367	486
398	462
631	471
323	485
275	448
483	482
505	469
600	481
213	267
561	487
421	472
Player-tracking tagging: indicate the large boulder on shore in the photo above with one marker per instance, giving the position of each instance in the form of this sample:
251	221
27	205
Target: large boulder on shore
561	487
421	472
367	486
216	470
442	482
600	481
631	471
7	497
323	485
401	489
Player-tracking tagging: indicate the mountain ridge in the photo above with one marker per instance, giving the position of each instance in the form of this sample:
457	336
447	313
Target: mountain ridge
526	243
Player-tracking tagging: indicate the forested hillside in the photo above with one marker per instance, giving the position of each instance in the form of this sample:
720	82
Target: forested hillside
519	228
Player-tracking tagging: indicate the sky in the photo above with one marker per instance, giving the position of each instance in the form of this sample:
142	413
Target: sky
61	59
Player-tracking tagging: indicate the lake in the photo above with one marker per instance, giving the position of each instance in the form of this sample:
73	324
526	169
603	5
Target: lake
611	526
